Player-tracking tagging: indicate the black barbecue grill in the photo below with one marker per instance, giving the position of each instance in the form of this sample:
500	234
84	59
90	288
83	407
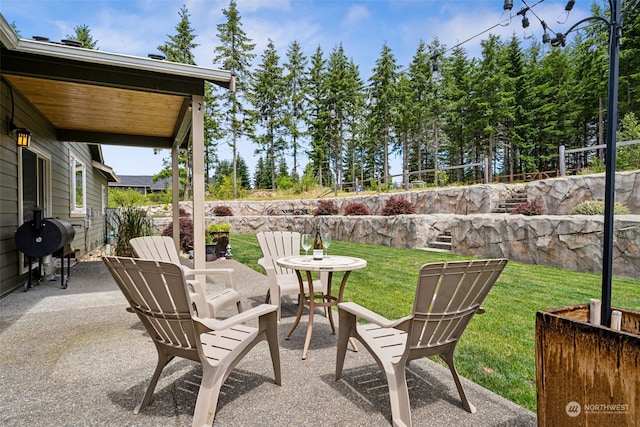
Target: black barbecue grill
46	236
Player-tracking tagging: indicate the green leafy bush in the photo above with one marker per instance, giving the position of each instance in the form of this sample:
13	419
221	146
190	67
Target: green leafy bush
307	183
222	211
326	207
284	182
356	209
219	227
398	206
596	207
125	198
530	207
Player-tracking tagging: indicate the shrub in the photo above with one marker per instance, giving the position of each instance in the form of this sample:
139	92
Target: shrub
398	206
284	182
356	209
186	231
326	207
219	227
125	198
222	211
530	207
596	207
307	183
130	222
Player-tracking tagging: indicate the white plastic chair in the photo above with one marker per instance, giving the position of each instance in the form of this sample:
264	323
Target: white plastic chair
157	292
283	281
447	296
162	248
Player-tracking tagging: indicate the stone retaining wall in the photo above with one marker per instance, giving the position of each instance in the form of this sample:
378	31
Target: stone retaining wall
559	196
568	242
559	240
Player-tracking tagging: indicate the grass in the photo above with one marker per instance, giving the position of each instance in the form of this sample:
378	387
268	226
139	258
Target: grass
497	350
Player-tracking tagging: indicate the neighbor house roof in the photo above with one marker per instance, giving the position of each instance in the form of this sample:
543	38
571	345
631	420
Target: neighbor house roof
142	181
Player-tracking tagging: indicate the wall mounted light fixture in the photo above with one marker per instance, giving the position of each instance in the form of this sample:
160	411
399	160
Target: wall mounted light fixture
23	137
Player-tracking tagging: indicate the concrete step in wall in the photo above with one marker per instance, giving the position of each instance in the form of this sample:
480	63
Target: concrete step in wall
516	199
442	242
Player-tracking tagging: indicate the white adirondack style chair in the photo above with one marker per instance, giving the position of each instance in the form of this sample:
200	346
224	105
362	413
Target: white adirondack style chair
162	248
282	281
157	292
447	296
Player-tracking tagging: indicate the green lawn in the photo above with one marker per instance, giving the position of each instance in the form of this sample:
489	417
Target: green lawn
498	349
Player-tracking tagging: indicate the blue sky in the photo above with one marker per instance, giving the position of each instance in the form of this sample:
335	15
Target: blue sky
137	27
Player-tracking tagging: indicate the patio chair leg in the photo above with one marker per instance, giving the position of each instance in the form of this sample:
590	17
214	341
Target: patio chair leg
399	396
239	306
271	330
163	360
207	400
448	358
347	321
267	300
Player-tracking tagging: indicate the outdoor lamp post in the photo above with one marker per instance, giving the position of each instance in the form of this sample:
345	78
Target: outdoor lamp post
614	25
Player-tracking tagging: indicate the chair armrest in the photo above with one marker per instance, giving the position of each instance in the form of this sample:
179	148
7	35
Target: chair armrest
217	325
201	306
364	313
226	273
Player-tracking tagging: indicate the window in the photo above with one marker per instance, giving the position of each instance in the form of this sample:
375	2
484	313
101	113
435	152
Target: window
78	194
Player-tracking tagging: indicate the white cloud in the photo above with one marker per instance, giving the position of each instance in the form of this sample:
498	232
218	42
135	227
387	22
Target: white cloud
355	15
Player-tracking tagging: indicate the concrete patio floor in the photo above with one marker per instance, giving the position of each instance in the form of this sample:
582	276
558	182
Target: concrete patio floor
75	357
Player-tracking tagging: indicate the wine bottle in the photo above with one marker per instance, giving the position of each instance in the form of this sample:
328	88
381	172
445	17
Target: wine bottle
318	249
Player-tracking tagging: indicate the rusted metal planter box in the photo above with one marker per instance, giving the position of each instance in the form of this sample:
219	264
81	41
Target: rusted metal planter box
587	375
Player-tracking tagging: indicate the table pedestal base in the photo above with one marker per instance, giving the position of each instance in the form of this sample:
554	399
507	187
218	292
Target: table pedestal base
326	300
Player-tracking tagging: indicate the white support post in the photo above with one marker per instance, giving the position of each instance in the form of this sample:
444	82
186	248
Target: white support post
197	133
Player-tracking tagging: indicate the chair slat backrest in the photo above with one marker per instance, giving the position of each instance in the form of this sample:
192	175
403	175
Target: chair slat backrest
278	244
447	296
155	247
157	292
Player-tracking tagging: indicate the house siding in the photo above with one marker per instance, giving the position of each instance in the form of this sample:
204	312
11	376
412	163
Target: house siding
44	141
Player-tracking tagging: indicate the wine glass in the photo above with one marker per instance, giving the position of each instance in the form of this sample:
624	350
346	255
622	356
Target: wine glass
306	244
326	242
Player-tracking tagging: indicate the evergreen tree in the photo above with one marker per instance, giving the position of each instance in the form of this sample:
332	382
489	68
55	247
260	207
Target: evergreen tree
435	108
344	86
318	117
267	96
457	116
234	54
295	85
225	168
384	80
493	96
83	35
179	49
419	78
213	131
262	175
509	132
180	46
